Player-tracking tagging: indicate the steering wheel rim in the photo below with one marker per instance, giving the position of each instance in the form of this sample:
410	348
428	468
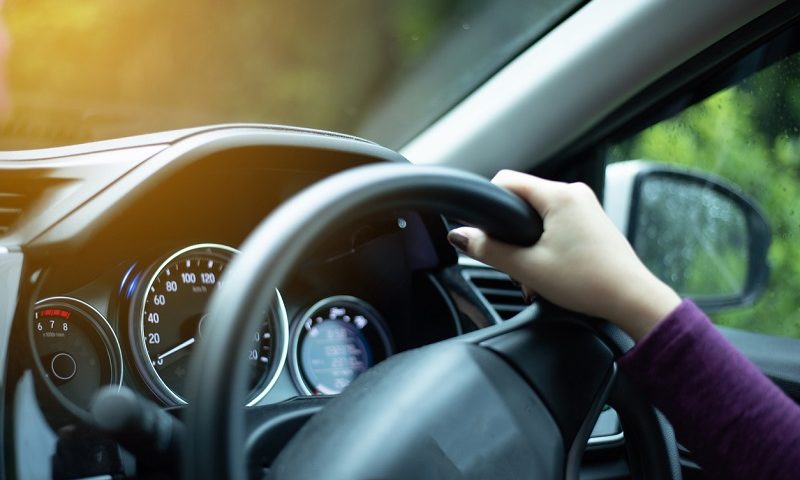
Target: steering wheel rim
215	426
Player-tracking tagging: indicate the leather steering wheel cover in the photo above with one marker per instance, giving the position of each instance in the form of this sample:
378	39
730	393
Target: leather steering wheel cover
215	440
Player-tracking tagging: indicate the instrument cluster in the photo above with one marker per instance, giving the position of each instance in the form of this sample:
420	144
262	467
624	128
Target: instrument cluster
161	318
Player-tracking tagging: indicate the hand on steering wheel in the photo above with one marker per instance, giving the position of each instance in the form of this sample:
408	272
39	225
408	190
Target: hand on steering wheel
581	263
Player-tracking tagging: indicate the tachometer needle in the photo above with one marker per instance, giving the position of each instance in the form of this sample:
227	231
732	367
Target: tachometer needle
176	349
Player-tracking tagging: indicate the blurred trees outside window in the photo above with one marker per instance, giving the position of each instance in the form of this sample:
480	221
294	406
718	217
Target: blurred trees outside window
84	70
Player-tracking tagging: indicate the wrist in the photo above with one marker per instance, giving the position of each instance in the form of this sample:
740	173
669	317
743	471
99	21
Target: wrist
650	302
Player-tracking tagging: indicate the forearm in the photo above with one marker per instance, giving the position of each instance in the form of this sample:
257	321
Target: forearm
736	421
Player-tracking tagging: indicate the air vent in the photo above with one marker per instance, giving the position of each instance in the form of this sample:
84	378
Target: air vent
18	192
10	209
496	288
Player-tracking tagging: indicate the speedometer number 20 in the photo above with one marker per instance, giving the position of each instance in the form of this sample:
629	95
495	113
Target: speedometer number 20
173	317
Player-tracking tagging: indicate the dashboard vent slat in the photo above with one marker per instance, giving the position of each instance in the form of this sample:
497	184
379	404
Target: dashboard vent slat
8	215
18	192
496	288
11	205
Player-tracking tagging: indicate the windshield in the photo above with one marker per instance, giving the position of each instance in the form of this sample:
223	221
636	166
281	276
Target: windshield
87	70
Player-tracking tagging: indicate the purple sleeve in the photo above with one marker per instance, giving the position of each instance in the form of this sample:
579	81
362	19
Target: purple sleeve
736	422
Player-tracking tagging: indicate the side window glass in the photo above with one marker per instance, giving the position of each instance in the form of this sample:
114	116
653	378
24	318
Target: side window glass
745	128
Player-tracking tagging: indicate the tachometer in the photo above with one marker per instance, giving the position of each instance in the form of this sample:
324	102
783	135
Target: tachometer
78	350
171	318
335	341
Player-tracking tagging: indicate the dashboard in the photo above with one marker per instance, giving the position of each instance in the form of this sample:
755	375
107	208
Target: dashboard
120	283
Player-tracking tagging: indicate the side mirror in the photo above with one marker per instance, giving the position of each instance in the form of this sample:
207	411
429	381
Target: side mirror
696	232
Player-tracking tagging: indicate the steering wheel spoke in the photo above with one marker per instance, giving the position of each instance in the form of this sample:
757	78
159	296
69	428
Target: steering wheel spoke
571	370
448	410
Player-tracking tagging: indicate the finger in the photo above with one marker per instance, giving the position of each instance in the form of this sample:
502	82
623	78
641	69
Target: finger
513	260
528	265
478	245
539	192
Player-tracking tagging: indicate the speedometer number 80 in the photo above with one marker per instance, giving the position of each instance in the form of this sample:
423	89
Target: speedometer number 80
172	319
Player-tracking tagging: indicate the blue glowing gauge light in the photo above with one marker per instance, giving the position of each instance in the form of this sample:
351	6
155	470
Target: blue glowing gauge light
335	341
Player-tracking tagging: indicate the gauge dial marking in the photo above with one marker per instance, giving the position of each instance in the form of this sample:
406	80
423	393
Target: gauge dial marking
75	347
335	341
171	311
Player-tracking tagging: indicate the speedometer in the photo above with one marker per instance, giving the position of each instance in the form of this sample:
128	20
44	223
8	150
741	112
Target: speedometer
172	318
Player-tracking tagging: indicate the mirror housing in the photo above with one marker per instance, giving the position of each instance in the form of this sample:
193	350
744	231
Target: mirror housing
698	233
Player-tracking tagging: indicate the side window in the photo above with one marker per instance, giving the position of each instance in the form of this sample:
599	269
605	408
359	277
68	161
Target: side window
744	126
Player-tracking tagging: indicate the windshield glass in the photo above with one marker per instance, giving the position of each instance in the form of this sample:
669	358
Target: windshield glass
87	70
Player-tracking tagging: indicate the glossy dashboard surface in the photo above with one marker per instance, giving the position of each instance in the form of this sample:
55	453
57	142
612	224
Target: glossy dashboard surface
118	285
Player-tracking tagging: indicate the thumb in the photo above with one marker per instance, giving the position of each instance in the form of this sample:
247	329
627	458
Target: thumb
475	243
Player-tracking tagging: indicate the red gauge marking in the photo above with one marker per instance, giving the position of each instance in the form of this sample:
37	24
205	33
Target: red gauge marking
55	312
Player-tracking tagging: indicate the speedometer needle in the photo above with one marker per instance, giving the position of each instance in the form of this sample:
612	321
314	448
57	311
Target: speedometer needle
176	349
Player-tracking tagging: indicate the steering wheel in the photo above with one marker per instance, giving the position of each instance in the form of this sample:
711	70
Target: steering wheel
514	400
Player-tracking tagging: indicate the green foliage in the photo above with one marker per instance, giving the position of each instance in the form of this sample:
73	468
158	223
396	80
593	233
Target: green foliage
750	135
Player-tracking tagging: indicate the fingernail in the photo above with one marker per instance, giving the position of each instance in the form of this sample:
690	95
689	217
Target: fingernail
458	240
528	297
